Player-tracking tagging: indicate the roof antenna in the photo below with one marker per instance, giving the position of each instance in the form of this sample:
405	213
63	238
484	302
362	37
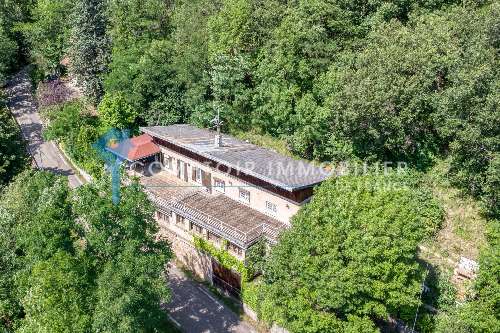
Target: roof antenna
217	123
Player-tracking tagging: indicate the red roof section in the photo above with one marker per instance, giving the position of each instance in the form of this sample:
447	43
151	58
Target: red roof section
142	146
136	148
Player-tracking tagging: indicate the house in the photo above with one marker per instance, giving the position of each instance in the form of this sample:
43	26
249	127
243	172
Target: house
225	191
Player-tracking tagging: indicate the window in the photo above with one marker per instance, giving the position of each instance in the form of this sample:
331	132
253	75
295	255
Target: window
234	248
167	162
179	221
219	185
271	207
196	228
214	238
244	195
181	172
164	216
197	177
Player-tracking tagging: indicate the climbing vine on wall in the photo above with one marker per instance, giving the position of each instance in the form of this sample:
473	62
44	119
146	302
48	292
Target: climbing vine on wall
223	257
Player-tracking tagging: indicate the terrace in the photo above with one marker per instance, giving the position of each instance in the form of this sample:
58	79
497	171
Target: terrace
217	213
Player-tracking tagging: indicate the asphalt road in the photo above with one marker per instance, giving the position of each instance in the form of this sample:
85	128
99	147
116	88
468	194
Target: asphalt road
196	310
22	105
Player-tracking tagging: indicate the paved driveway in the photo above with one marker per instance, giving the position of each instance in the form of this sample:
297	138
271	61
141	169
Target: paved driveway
196	310
22	105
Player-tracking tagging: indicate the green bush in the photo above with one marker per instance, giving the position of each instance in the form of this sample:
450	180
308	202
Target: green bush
76	129
8	50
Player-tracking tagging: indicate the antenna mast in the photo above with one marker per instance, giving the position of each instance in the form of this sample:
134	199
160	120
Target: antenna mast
217	124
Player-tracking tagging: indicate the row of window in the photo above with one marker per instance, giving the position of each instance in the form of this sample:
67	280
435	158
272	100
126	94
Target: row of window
193	227
219	184
244	196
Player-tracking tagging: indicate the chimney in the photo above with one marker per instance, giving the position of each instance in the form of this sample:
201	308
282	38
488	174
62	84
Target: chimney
218	140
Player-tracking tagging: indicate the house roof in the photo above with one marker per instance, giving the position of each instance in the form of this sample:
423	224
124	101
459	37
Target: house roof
217	213
265	164
135	148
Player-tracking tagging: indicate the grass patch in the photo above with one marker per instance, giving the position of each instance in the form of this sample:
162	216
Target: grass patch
461	234
463	229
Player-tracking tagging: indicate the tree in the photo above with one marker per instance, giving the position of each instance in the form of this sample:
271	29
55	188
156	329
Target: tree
121	240
190	58
72	261
10	308
12	149
166	110
115	112
232	96
129	293
156	81
8	50
382	103
57	299
48	33
350	256
300	49
39	204
89	51
35	223
468	112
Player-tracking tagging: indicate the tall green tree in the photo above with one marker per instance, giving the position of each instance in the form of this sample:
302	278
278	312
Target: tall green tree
89	51
48	33
130	291
121	240
35	223
350	256
190	38
231	94
141	68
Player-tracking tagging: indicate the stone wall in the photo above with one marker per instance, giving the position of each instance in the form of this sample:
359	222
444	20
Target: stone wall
196	261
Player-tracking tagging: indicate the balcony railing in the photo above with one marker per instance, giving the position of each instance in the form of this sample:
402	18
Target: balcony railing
241	238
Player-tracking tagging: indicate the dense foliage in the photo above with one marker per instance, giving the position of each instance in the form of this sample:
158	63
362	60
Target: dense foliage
76	129
410	81
12	148
47	33
72	261
350	257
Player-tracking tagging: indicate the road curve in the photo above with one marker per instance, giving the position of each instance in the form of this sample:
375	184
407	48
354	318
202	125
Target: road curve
22	105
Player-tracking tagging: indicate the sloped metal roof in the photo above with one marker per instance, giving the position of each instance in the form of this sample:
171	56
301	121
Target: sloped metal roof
262	163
